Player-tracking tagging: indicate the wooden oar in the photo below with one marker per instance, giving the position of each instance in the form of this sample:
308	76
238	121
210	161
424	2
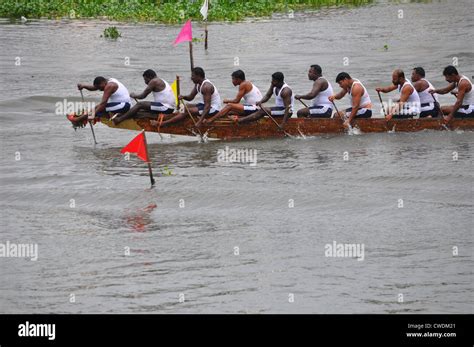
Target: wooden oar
192	118
440	113
274	121
301	133
335	107
186	107
90	122
381	102
337	111
303	103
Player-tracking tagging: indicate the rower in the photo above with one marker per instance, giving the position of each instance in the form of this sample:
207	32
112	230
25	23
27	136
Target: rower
408	106
320	107
361	106
429	105
247	90
284	101
211	104
464	105
114	99
164	99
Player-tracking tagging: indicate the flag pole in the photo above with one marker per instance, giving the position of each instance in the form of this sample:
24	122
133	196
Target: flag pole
205	24
205	35
191	58
152	180
177	89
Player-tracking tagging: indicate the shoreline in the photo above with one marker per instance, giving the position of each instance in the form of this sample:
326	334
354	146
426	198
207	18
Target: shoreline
172	12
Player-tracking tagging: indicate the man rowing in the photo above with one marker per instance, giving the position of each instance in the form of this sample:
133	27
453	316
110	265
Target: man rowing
284	101
361	106
114	99
320	107
408	105
210	106
429	106
247	90
464	105
164	99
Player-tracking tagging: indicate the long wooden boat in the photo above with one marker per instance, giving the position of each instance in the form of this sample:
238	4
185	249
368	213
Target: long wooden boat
265	128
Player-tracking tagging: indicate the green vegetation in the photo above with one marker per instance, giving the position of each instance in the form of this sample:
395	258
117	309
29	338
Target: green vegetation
111	33
166	171
166	11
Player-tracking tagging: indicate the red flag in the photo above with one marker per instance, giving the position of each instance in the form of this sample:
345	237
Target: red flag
186	33
138	146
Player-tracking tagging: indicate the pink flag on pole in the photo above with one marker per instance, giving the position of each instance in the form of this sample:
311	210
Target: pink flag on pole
186	33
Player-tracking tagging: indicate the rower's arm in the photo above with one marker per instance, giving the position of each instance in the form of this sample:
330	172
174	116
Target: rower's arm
444	90
357	92
143	94
239	96
339	95
149	88
317	87
90	87
386	89
191	95
267	96
110	88
462	89
286	96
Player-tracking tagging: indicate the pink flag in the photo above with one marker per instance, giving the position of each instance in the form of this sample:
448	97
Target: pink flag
186	33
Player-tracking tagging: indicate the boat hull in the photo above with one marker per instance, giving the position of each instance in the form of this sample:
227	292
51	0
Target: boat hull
266	128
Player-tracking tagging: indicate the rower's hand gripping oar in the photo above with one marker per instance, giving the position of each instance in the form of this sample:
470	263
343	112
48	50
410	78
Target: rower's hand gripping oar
274	121
90	122
302	103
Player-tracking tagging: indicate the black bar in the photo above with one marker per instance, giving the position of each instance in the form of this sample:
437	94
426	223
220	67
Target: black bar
324	330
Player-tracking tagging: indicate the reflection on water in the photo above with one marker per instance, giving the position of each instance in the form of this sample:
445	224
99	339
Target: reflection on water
139	220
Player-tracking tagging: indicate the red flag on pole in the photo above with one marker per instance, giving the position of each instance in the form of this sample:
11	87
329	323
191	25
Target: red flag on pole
138	146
